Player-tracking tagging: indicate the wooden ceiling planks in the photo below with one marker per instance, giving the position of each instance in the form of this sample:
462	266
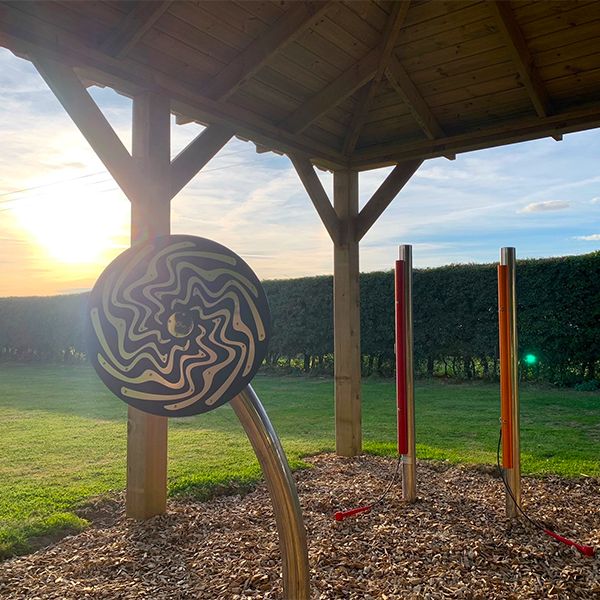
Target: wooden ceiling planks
530	11
462	15
456	72
577	17
133	27
158	48
255	56
450	79
571	90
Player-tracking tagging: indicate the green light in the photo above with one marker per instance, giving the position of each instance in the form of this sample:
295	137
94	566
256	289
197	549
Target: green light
530	359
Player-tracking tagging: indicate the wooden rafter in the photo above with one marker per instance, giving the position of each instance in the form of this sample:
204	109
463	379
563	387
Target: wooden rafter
318	196
521	57
365	99
292	24
372	210
133	26
250	126
402	83
390	35
334	93
384	195
406	89
80	106
196	154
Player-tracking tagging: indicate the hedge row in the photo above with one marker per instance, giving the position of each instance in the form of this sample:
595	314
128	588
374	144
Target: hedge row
455	321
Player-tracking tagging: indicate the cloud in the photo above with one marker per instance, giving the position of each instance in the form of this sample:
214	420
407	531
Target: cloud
459	211
474	170
546	206
595	237
73	164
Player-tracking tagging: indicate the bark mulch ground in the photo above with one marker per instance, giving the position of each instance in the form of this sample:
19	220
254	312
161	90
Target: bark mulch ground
455	542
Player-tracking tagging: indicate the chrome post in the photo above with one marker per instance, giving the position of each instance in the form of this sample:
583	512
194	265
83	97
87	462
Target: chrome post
282	488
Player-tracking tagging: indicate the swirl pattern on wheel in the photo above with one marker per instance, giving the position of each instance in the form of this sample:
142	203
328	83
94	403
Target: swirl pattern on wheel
177	326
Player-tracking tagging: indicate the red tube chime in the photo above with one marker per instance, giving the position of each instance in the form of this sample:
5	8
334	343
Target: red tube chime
401	392
402	305
505	367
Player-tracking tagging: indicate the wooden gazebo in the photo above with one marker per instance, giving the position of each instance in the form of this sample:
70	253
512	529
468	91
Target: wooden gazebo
346	86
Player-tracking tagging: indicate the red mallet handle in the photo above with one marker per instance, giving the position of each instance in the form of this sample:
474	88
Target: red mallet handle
586	550
340	515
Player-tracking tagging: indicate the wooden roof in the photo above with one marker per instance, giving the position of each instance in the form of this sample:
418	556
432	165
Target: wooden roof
346	84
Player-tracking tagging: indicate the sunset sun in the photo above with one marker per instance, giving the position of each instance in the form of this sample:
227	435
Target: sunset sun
76	226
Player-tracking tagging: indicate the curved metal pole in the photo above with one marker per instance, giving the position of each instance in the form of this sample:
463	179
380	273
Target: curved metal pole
281	485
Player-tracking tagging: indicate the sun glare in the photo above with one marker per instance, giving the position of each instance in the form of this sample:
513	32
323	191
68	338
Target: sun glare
76	225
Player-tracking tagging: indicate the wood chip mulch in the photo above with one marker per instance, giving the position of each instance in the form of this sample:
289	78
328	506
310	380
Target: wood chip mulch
455	542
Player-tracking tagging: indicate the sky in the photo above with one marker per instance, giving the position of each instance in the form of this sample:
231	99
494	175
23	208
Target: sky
63	218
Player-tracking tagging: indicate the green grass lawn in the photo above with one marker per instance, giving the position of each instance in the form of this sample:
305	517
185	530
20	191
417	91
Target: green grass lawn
63	438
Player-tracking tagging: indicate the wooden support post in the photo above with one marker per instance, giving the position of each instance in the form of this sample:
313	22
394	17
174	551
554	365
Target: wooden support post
346	317
150	181
509	378
346	227
150	217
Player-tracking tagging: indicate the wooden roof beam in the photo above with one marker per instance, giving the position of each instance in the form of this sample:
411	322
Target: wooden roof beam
183	120
196	154
290	26
384	195
406	89
133	26
392	29
520	130
372	210
80	106
521	57
318	195
365	99
85	113
334	93
262	149
254	128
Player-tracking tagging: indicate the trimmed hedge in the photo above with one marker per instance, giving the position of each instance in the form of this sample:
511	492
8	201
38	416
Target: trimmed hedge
455	322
